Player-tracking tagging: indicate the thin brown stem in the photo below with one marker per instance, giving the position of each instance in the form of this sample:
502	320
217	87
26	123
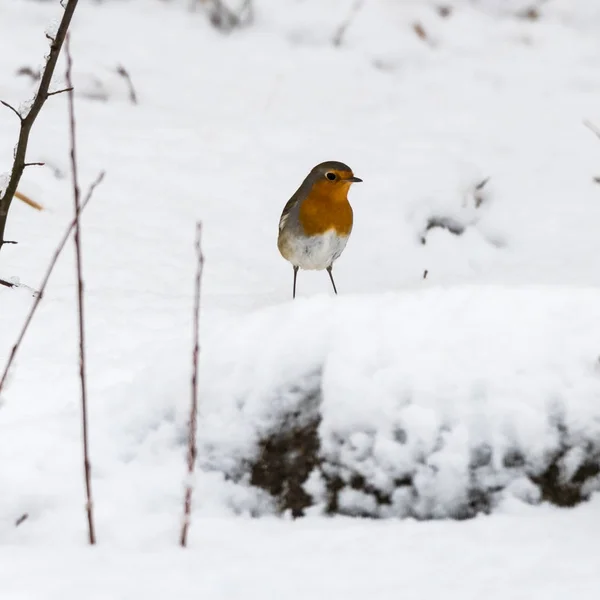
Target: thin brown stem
80	303
28	120
192	445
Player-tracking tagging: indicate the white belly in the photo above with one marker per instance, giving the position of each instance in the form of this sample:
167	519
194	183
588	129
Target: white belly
318	251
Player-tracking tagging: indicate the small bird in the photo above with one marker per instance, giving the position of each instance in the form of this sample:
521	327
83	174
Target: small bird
317	220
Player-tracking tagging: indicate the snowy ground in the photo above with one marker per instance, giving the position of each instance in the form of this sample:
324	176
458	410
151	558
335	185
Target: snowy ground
226	128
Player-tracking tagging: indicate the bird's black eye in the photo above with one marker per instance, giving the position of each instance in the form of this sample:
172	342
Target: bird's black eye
331	176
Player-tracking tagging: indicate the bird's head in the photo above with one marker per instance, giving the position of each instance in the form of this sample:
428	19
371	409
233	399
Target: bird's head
334	174
331	180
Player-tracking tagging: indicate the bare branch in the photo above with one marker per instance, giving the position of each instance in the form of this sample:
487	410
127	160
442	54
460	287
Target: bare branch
28	121
80	304
192	448
13	109
34	164
122	71
341	32
58	92
90	192
40	293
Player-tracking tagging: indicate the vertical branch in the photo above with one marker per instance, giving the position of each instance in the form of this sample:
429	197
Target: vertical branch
192	447
80	305
28	120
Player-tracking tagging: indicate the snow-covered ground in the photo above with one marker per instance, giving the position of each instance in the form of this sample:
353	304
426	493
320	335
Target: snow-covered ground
498	346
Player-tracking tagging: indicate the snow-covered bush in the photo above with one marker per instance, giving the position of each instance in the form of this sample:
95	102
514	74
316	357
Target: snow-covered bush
429	404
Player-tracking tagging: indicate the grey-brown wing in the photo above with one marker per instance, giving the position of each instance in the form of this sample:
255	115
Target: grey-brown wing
287	209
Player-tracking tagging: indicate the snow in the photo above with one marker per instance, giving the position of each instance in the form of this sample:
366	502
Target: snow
428	395
492	356
340	558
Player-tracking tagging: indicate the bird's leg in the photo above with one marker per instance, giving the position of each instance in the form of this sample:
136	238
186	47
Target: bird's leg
329	270
295	274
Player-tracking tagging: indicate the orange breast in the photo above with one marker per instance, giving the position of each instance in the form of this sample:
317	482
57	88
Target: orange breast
325	208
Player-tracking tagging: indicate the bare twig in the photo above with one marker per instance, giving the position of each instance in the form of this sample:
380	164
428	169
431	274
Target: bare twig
80	304
44	283
124	73
42	289
192	449
59	92
28	121
21	519
34	164
338	38
13	109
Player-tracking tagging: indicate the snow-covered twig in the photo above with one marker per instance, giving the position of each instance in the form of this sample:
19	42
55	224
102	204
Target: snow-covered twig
80	305
39	295
28	120
192	447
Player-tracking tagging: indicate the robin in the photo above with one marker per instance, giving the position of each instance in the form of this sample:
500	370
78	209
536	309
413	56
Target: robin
317	220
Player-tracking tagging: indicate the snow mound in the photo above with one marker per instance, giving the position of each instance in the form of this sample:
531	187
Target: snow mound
436	403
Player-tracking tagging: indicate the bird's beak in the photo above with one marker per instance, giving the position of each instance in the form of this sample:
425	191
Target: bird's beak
353	179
